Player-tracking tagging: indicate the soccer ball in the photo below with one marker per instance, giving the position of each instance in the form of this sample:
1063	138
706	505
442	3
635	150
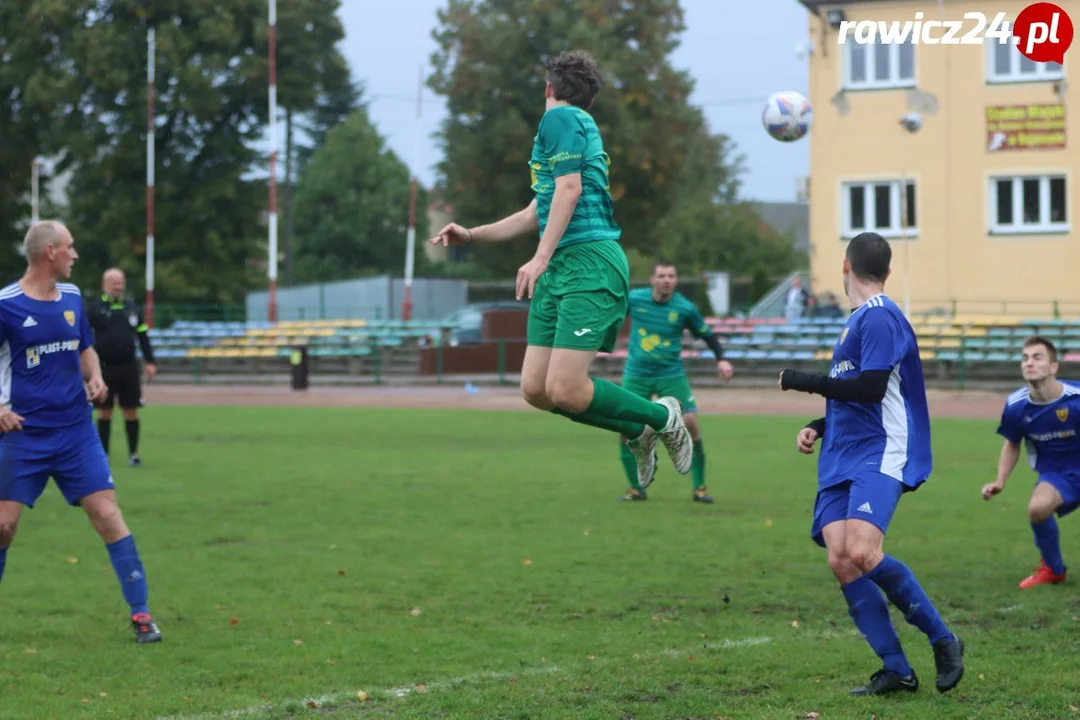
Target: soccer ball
787	116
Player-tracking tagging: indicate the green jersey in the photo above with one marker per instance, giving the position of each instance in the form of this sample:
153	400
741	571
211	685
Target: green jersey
656	333
567	142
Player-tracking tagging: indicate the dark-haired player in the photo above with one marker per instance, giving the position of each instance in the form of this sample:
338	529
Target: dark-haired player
875	447
1045	415
579	278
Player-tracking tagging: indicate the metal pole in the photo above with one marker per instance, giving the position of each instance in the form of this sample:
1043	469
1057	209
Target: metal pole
151	60
272	245
35	170
410	247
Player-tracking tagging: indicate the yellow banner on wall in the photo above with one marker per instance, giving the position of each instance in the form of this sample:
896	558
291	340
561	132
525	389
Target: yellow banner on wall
1025	127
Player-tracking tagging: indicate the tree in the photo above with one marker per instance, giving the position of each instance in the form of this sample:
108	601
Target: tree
490	67
352	205
35	107
211	111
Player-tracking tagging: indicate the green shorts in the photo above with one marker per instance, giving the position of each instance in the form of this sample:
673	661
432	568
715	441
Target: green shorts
580	301
677	387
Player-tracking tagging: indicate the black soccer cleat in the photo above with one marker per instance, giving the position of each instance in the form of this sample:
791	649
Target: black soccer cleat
886	682
633	494
146	630
949	661
134	460
702	495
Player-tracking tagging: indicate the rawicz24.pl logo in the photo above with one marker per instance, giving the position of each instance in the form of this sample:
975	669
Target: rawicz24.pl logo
1042	32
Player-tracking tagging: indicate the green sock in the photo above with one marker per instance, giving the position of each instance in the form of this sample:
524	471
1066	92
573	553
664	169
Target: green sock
612	401
629	465
697	469
593	419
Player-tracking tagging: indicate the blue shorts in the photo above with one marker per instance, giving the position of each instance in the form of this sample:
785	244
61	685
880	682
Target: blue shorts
1068	486
871	497
72	456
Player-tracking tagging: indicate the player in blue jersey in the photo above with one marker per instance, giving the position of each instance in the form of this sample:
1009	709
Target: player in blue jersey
1045	415
49	372
875	446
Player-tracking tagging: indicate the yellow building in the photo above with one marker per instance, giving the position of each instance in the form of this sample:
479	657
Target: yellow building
989	175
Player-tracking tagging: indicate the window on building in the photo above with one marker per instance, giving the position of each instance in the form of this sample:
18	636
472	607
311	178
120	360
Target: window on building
1007	65
1028	204
875	66
877	206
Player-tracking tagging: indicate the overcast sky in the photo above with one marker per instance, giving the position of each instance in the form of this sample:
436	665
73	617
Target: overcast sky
738	53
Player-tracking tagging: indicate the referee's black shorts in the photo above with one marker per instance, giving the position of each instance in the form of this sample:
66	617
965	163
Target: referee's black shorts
125	384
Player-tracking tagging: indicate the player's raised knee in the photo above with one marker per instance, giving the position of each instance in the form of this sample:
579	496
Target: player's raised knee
572	397
1039	510
534	393
864	555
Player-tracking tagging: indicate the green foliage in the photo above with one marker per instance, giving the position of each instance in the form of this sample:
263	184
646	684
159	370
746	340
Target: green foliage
86	103
674	183
352	205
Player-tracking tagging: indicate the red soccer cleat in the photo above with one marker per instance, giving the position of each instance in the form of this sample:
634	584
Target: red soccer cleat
1043	575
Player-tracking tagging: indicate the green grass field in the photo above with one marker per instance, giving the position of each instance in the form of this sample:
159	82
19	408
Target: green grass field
476	565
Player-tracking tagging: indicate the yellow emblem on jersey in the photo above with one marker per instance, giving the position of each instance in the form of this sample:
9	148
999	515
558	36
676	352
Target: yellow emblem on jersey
33	358
1063	414
69	315
673	317
843	335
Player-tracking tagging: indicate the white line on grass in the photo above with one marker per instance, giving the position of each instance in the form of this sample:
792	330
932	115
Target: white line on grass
489	677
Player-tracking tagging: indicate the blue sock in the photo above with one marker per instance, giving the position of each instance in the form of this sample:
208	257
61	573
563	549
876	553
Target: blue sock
870	612
129	570
3	561
1046	538
904	591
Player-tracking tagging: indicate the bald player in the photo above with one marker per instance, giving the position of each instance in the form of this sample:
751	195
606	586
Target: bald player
117	324
49	369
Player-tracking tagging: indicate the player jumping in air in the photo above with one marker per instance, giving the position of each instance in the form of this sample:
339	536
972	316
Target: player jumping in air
875	447
658	316
46	356
579	278
1046	416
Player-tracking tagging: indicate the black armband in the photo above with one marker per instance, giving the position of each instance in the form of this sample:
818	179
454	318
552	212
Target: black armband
866	387
714	344
817	426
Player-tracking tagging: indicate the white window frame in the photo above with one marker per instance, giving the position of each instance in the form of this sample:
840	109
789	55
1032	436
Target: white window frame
1045	226
871	82
1042	73
895	229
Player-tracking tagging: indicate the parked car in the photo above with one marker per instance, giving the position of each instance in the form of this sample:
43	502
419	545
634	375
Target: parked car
468	320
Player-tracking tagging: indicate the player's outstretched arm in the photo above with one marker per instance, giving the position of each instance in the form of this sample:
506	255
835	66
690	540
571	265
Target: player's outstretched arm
522	222
866	387
1010	454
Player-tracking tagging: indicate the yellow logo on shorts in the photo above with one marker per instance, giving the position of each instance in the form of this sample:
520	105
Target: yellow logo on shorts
69	315
1063	414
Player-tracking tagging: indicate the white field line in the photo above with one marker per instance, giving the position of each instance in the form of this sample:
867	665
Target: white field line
491	677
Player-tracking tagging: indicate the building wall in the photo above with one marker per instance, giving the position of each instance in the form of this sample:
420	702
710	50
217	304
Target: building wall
954	254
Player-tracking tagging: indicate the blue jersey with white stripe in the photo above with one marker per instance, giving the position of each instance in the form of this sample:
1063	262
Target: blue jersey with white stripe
892	437
40	345
1048	430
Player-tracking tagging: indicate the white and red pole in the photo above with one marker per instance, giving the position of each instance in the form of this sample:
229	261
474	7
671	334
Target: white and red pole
410	247
272	247
151	59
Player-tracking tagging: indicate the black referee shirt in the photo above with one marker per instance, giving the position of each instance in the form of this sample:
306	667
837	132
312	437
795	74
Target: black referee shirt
117	323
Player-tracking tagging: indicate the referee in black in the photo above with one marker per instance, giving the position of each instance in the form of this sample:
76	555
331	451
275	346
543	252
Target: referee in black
117	322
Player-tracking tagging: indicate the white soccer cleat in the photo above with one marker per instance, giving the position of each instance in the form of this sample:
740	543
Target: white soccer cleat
676	437
644	451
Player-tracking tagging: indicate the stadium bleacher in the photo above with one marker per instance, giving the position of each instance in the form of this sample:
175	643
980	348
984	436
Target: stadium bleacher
969	345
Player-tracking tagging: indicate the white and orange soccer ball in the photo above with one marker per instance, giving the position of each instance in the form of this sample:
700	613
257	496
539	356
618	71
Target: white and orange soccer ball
787	116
